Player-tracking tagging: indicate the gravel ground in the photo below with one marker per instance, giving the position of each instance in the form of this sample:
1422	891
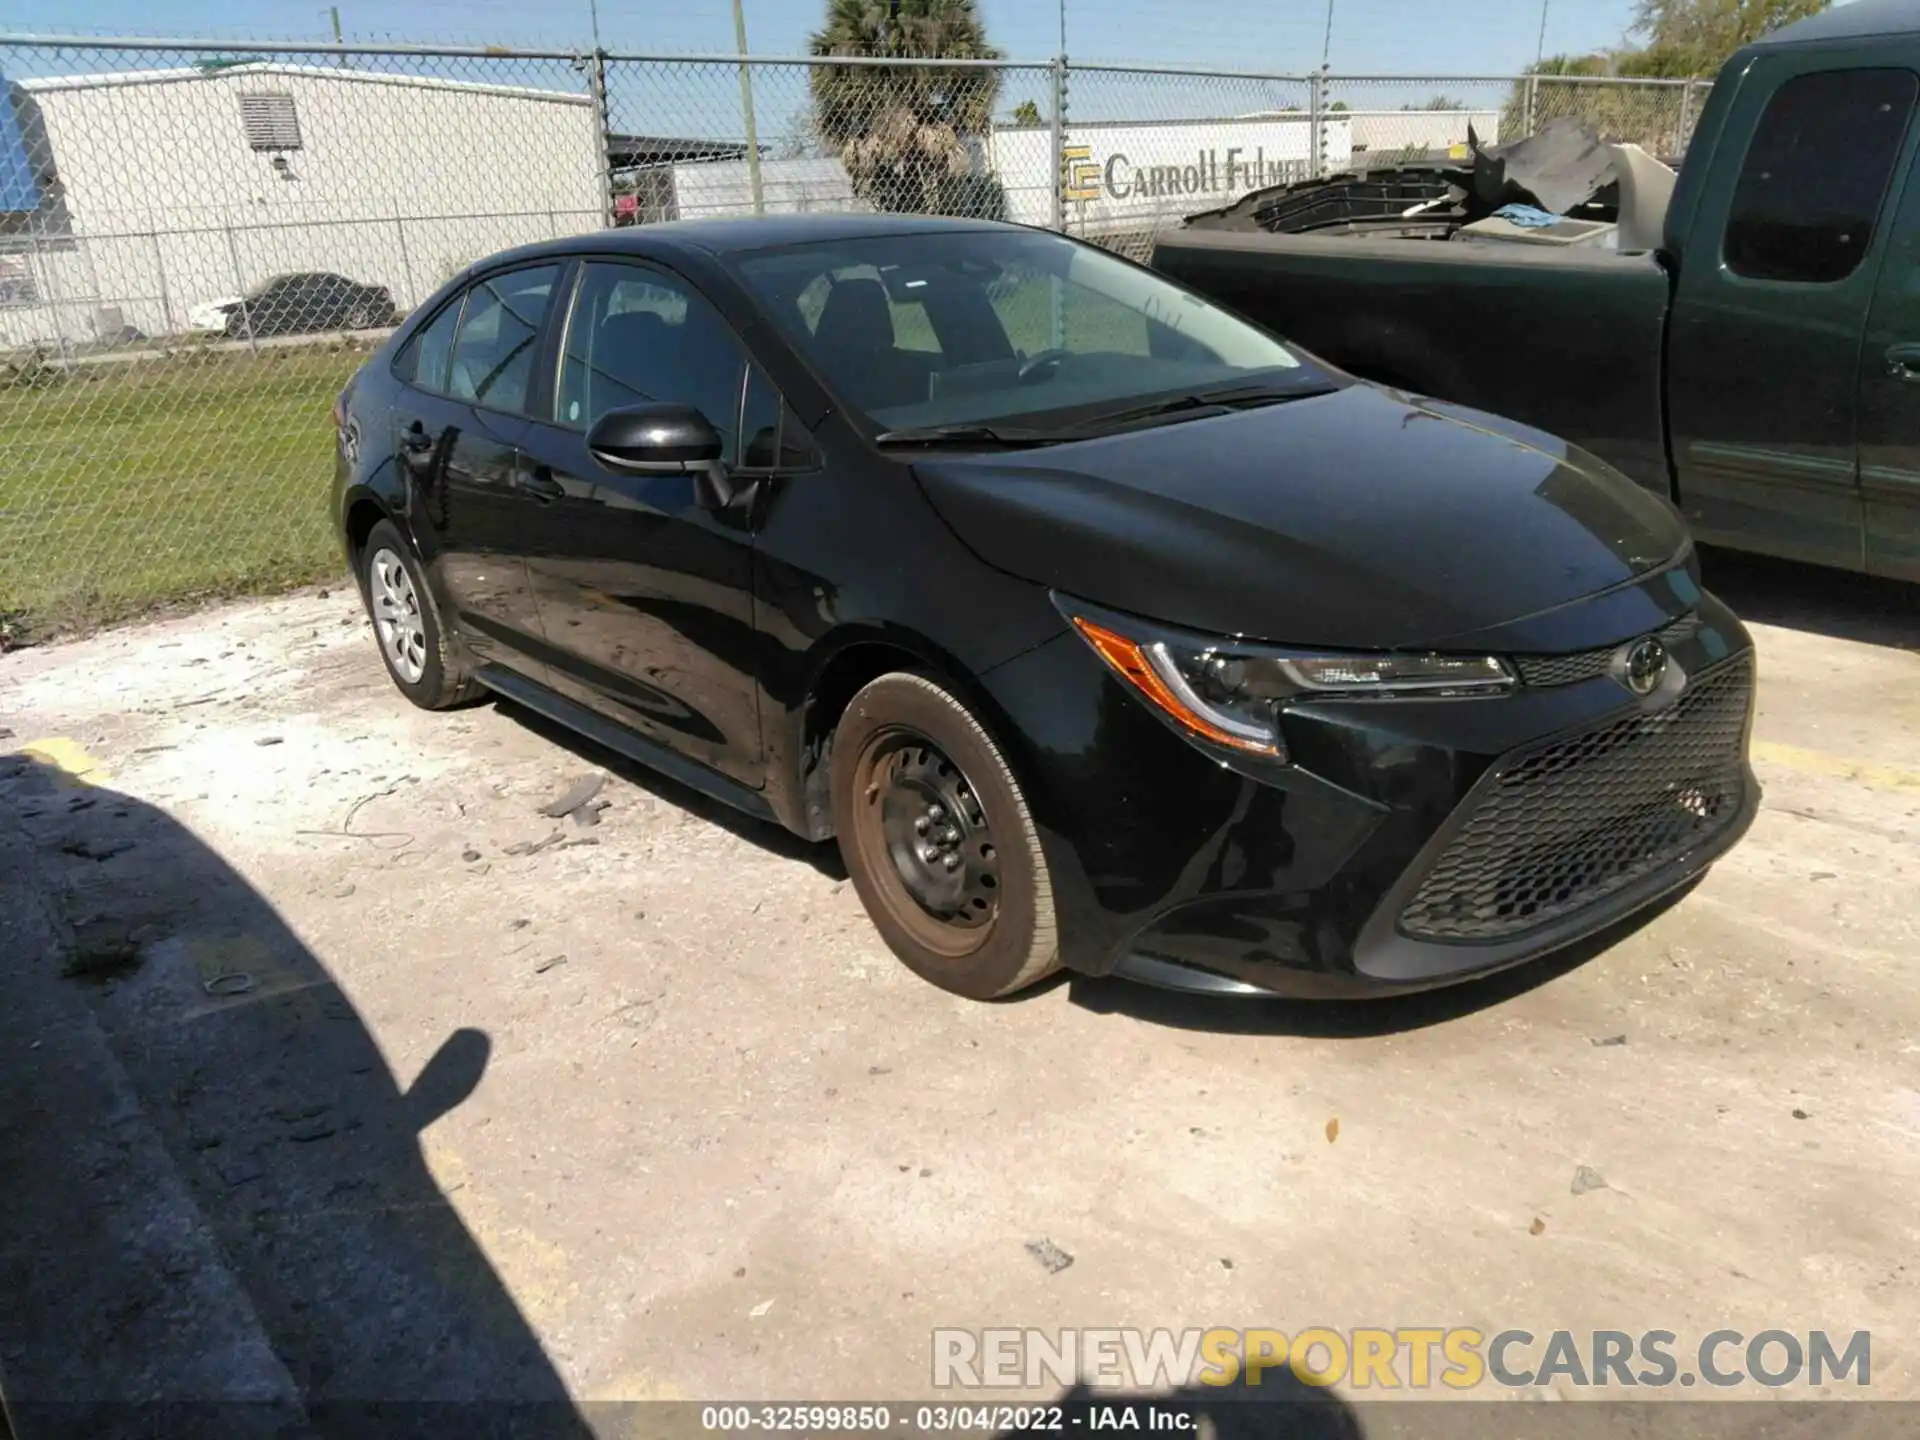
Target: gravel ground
690	1132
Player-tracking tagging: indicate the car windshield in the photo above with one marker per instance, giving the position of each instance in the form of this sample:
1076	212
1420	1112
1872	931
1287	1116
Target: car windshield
955	331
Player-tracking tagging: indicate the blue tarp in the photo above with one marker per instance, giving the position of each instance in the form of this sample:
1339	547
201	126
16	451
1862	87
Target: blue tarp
17	188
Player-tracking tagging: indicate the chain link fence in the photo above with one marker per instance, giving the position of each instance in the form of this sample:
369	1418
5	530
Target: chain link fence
199	242
1396	115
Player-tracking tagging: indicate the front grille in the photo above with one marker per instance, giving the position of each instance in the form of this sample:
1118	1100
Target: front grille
1562	826
1586	664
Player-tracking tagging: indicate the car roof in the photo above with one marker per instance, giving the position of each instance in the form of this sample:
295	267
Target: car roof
1860	20
738	235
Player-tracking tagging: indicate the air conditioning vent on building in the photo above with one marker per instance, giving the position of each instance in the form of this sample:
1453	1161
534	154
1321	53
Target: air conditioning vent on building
270	121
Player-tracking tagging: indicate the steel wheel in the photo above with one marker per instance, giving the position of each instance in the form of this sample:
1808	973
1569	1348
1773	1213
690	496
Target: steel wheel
930	842
940	841
396	615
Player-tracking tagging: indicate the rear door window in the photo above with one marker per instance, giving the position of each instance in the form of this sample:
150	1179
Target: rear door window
498	339
1810	191
424	360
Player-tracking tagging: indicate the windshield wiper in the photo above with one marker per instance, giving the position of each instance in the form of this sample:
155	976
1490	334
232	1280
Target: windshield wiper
1225	397
971	433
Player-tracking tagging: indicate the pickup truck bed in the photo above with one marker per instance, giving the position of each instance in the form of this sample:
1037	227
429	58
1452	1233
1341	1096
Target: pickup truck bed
1471	322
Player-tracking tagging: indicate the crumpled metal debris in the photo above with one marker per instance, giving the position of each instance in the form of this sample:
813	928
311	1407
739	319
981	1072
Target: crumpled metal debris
1565	166
573	797
1560	167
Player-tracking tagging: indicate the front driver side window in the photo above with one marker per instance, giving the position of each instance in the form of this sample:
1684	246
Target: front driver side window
639	335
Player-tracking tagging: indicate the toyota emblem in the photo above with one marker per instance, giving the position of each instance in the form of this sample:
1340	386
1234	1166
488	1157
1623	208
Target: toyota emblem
1646	666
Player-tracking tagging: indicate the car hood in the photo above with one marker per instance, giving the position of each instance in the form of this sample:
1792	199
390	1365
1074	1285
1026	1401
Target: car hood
1356	519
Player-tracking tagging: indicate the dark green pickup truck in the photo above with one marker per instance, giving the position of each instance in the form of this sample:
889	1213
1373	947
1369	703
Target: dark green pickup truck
1761	366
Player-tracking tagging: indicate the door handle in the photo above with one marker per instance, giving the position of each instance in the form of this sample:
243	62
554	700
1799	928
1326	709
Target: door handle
541	485
1903	361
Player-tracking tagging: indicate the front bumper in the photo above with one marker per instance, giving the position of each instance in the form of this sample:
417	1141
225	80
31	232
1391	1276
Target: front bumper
1409	843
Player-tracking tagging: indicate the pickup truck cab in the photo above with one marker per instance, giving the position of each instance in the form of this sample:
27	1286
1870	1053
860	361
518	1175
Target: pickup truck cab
1760	366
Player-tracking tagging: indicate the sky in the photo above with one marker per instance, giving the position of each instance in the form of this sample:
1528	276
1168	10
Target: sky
1477	37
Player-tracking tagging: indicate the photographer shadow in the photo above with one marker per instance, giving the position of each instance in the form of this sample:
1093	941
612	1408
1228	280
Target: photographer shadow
222	1219
1280	1406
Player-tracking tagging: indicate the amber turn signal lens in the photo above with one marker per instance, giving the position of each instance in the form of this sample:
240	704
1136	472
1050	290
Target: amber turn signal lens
1130	662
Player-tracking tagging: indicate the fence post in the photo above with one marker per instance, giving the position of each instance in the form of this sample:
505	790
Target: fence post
239	284
1316	124
1060	141
746	109
414	297
1530	120
160	278
602	134
1685	136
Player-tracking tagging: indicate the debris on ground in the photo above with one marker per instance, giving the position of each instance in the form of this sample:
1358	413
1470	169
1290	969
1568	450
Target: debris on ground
1333	1129
1049	1255
589	813
1605	1040
265	740
234	982
573	797
1538	1227
761	1309
95	849
1800	1114
1587	1178
534	847
545	965
101	959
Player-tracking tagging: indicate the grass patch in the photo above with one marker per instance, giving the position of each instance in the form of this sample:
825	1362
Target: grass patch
130	484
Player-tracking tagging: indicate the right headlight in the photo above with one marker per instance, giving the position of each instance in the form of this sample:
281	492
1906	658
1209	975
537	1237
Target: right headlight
1231	693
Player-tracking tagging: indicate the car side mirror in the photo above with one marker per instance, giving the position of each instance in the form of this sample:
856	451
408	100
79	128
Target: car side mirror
663	439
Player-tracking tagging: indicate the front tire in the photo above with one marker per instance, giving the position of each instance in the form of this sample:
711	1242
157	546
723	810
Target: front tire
413	644
939	841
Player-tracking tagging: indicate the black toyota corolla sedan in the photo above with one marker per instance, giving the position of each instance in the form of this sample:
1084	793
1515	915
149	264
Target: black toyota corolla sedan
1102	628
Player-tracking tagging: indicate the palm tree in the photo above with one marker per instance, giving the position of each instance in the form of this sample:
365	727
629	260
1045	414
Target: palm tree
902	132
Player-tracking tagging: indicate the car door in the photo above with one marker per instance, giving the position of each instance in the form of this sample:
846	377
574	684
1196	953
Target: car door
459	424
328	301
1890	391
1764	344
645	593
269	311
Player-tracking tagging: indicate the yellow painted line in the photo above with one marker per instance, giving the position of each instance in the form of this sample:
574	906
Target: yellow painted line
1838	767
536	1271
68	758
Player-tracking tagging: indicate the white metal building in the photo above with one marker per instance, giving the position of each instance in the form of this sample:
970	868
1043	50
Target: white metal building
163	189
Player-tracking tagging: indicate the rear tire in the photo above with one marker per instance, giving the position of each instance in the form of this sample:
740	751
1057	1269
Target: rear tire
414	646
939	841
